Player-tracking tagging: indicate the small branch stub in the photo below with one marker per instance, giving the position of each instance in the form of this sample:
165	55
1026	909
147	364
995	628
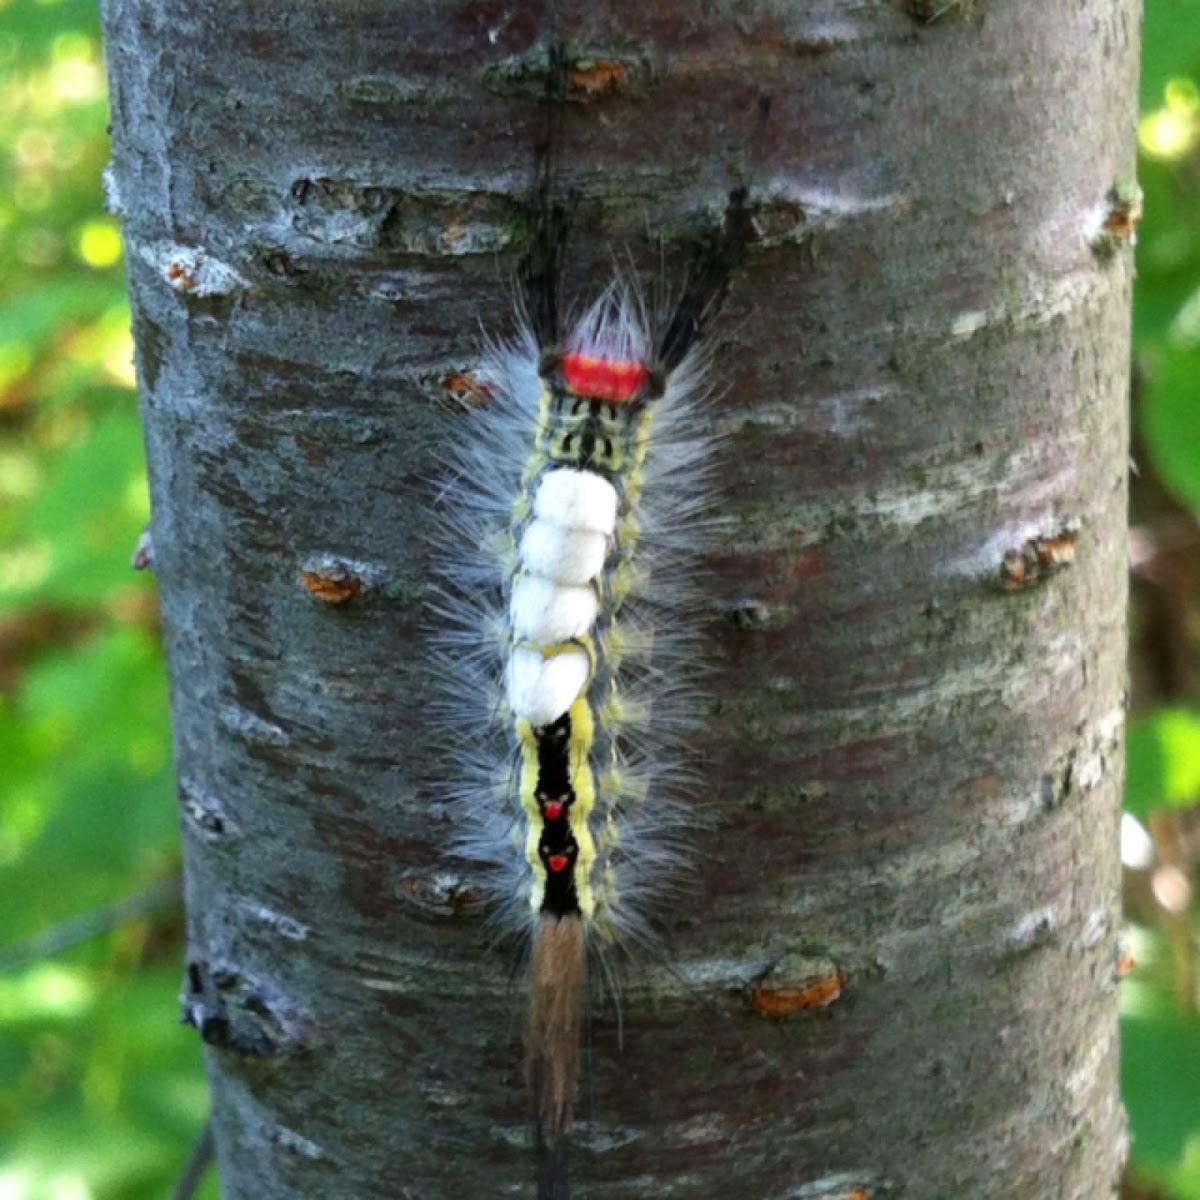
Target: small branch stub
590	73
334	587
1038	559
441	895
1122	214
596	76
192	270
466	389
776	999
143	554
230	1010
1126	962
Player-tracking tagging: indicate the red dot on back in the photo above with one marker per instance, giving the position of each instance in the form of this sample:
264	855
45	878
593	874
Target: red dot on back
553	810
559	863
603	378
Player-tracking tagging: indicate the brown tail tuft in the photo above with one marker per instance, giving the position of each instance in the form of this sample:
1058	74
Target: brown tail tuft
555	1036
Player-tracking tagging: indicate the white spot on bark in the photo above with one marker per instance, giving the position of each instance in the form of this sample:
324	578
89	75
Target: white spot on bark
143	554
835	1187
787	213
841	414
287	927
252	726
1044	301
1035	929
1095	929
112	191
295	1144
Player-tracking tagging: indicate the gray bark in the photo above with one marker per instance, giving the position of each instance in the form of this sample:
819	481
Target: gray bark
917	612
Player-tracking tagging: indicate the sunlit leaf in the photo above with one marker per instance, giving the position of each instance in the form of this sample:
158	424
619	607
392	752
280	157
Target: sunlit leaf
1164	761
1160	1066
1171	420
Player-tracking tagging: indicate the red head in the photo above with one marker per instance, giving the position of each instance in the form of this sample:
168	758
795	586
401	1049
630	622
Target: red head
604	379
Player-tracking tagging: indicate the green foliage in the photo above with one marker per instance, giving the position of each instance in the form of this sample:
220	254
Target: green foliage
1163	761
1167	311
1160	1068
102	1092
1160	1026
100	1082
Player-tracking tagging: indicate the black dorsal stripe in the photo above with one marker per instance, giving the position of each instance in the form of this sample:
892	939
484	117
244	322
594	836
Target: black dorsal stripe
555	797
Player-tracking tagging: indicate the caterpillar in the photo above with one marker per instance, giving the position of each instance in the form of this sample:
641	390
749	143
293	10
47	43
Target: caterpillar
577	503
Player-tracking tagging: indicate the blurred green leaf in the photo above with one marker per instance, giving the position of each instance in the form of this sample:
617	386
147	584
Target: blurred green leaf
72	543
102	1093
1170	46
1160	1067
1163	766
1171	420
107	1091
103	821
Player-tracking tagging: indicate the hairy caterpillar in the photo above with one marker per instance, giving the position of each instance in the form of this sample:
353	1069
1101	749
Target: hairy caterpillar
577	505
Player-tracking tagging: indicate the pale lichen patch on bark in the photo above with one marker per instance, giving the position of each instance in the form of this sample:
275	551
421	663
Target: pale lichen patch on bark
204	813
191	270
286	927
788	212
295	1143
252	726
845	414
932	492
1038	303
112	191
1034	930
383	89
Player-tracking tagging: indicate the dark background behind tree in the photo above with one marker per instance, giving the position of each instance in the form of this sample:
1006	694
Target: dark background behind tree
100	1091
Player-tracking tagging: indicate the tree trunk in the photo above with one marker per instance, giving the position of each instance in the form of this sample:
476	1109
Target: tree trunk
899	976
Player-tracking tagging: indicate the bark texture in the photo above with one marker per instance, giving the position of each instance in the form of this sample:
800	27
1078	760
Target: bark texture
917	611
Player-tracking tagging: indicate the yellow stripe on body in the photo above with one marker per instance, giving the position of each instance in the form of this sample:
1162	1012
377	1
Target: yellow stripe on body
583	784
534	464
528	781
